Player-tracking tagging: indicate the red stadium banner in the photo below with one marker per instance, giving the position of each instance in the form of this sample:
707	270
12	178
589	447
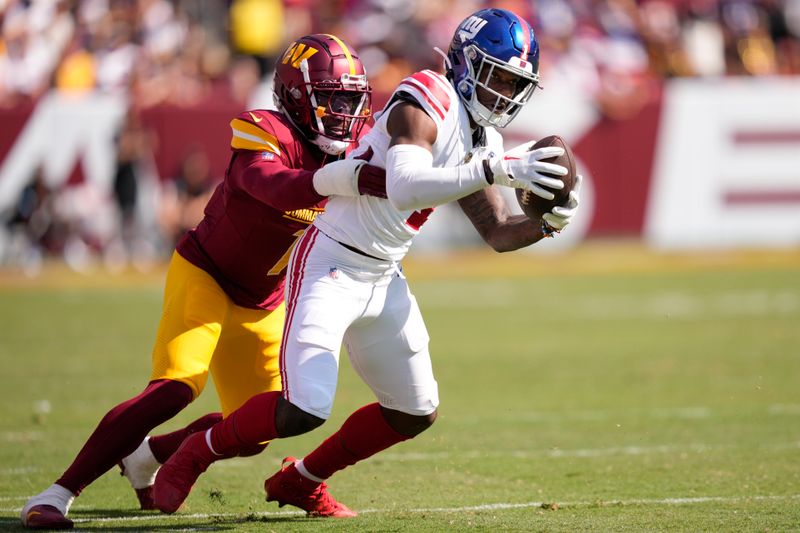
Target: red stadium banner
698	164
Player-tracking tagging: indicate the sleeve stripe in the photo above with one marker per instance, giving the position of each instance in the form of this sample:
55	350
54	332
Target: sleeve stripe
247	136
423	91
438	93
444	84
244	144
243	141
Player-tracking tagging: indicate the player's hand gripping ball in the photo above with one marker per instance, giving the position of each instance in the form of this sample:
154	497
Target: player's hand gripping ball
535	206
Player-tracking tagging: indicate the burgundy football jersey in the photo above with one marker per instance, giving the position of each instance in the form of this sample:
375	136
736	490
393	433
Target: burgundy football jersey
260	209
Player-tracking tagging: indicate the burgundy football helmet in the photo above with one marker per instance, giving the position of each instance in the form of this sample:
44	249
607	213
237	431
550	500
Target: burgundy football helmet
321	86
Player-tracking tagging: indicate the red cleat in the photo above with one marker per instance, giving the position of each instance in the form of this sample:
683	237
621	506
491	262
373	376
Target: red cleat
45	517
289	487
176	477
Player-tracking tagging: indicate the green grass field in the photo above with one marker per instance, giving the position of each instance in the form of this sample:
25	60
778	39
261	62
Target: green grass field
593	391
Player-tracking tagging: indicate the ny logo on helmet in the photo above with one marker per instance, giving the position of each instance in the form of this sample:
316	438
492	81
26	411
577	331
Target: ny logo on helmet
297	53
471	27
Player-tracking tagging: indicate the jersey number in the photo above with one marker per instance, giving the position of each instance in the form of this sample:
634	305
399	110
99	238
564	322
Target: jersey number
278	267
418	218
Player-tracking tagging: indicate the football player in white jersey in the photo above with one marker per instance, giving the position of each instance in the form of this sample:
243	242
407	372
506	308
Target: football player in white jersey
437	140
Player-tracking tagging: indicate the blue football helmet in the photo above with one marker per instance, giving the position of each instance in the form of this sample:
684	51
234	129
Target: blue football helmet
492	49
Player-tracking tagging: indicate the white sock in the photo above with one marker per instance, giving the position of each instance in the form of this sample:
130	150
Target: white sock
141	466
305	473
54	495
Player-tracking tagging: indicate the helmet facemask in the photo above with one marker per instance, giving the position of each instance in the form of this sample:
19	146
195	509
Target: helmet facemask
338	109
486	79
321	87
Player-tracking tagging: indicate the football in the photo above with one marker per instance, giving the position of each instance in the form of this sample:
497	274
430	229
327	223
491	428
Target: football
536	206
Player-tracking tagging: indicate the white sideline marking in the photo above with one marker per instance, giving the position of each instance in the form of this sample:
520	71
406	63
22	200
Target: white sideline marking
579	452
21	436
553	453
641	501
680	413
598	415
784	409
18	470
615	306
482	507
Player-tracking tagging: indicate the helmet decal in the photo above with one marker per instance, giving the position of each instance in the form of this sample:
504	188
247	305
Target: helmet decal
470	27
321	86
296	53
493	62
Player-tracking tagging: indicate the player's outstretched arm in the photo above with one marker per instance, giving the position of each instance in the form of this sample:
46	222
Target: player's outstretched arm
272	182
350	177
411	180
491	216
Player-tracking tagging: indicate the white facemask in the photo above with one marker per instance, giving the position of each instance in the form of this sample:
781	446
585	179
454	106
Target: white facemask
330	146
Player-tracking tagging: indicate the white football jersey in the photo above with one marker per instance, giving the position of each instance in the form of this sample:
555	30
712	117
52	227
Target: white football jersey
374	225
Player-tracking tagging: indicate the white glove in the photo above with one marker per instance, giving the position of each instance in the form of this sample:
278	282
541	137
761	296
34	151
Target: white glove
558	218
338	178
521	169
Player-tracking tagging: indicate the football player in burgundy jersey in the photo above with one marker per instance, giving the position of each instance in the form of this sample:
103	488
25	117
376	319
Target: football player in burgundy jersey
223	306
437	140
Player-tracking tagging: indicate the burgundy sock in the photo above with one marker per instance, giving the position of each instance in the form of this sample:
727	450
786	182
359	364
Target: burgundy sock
250	425
249	451
165	445
362	435
123	429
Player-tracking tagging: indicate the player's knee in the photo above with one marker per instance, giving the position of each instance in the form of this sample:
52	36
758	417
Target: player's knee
249	451
160	400
171	396
290	420
406	424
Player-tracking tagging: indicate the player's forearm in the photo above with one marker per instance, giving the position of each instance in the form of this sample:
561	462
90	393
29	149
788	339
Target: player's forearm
517	232
412	182
492	219
350	177
278	186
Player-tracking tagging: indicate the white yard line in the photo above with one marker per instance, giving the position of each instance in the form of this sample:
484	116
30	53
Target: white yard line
21	436
468	508
660	413
556	453
615	306
18	470
637	501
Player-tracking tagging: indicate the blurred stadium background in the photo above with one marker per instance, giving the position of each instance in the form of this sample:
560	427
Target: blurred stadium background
684	114
644	377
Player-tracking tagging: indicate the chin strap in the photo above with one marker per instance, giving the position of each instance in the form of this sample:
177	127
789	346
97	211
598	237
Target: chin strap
330	146
447	64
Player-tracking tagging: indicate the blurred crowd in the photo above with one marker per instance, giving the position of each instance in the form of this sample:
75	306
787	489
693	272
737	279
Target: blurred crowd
186	52
182	51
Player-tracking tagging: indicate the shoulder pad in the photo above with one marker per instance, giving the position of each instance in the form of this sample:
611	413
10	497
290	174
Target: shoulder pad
256	131
431	90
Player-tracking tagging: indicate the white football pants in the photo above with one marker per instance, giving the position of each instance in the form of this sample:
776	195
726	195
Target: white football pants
334	294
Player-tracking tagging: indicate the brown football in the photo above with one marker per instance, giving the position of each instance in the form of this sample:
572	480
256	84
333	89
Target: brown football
536	206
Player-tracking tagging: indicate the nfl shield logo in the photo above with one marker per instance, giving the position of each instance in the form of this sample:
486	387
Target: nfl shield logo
333	273
267	156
